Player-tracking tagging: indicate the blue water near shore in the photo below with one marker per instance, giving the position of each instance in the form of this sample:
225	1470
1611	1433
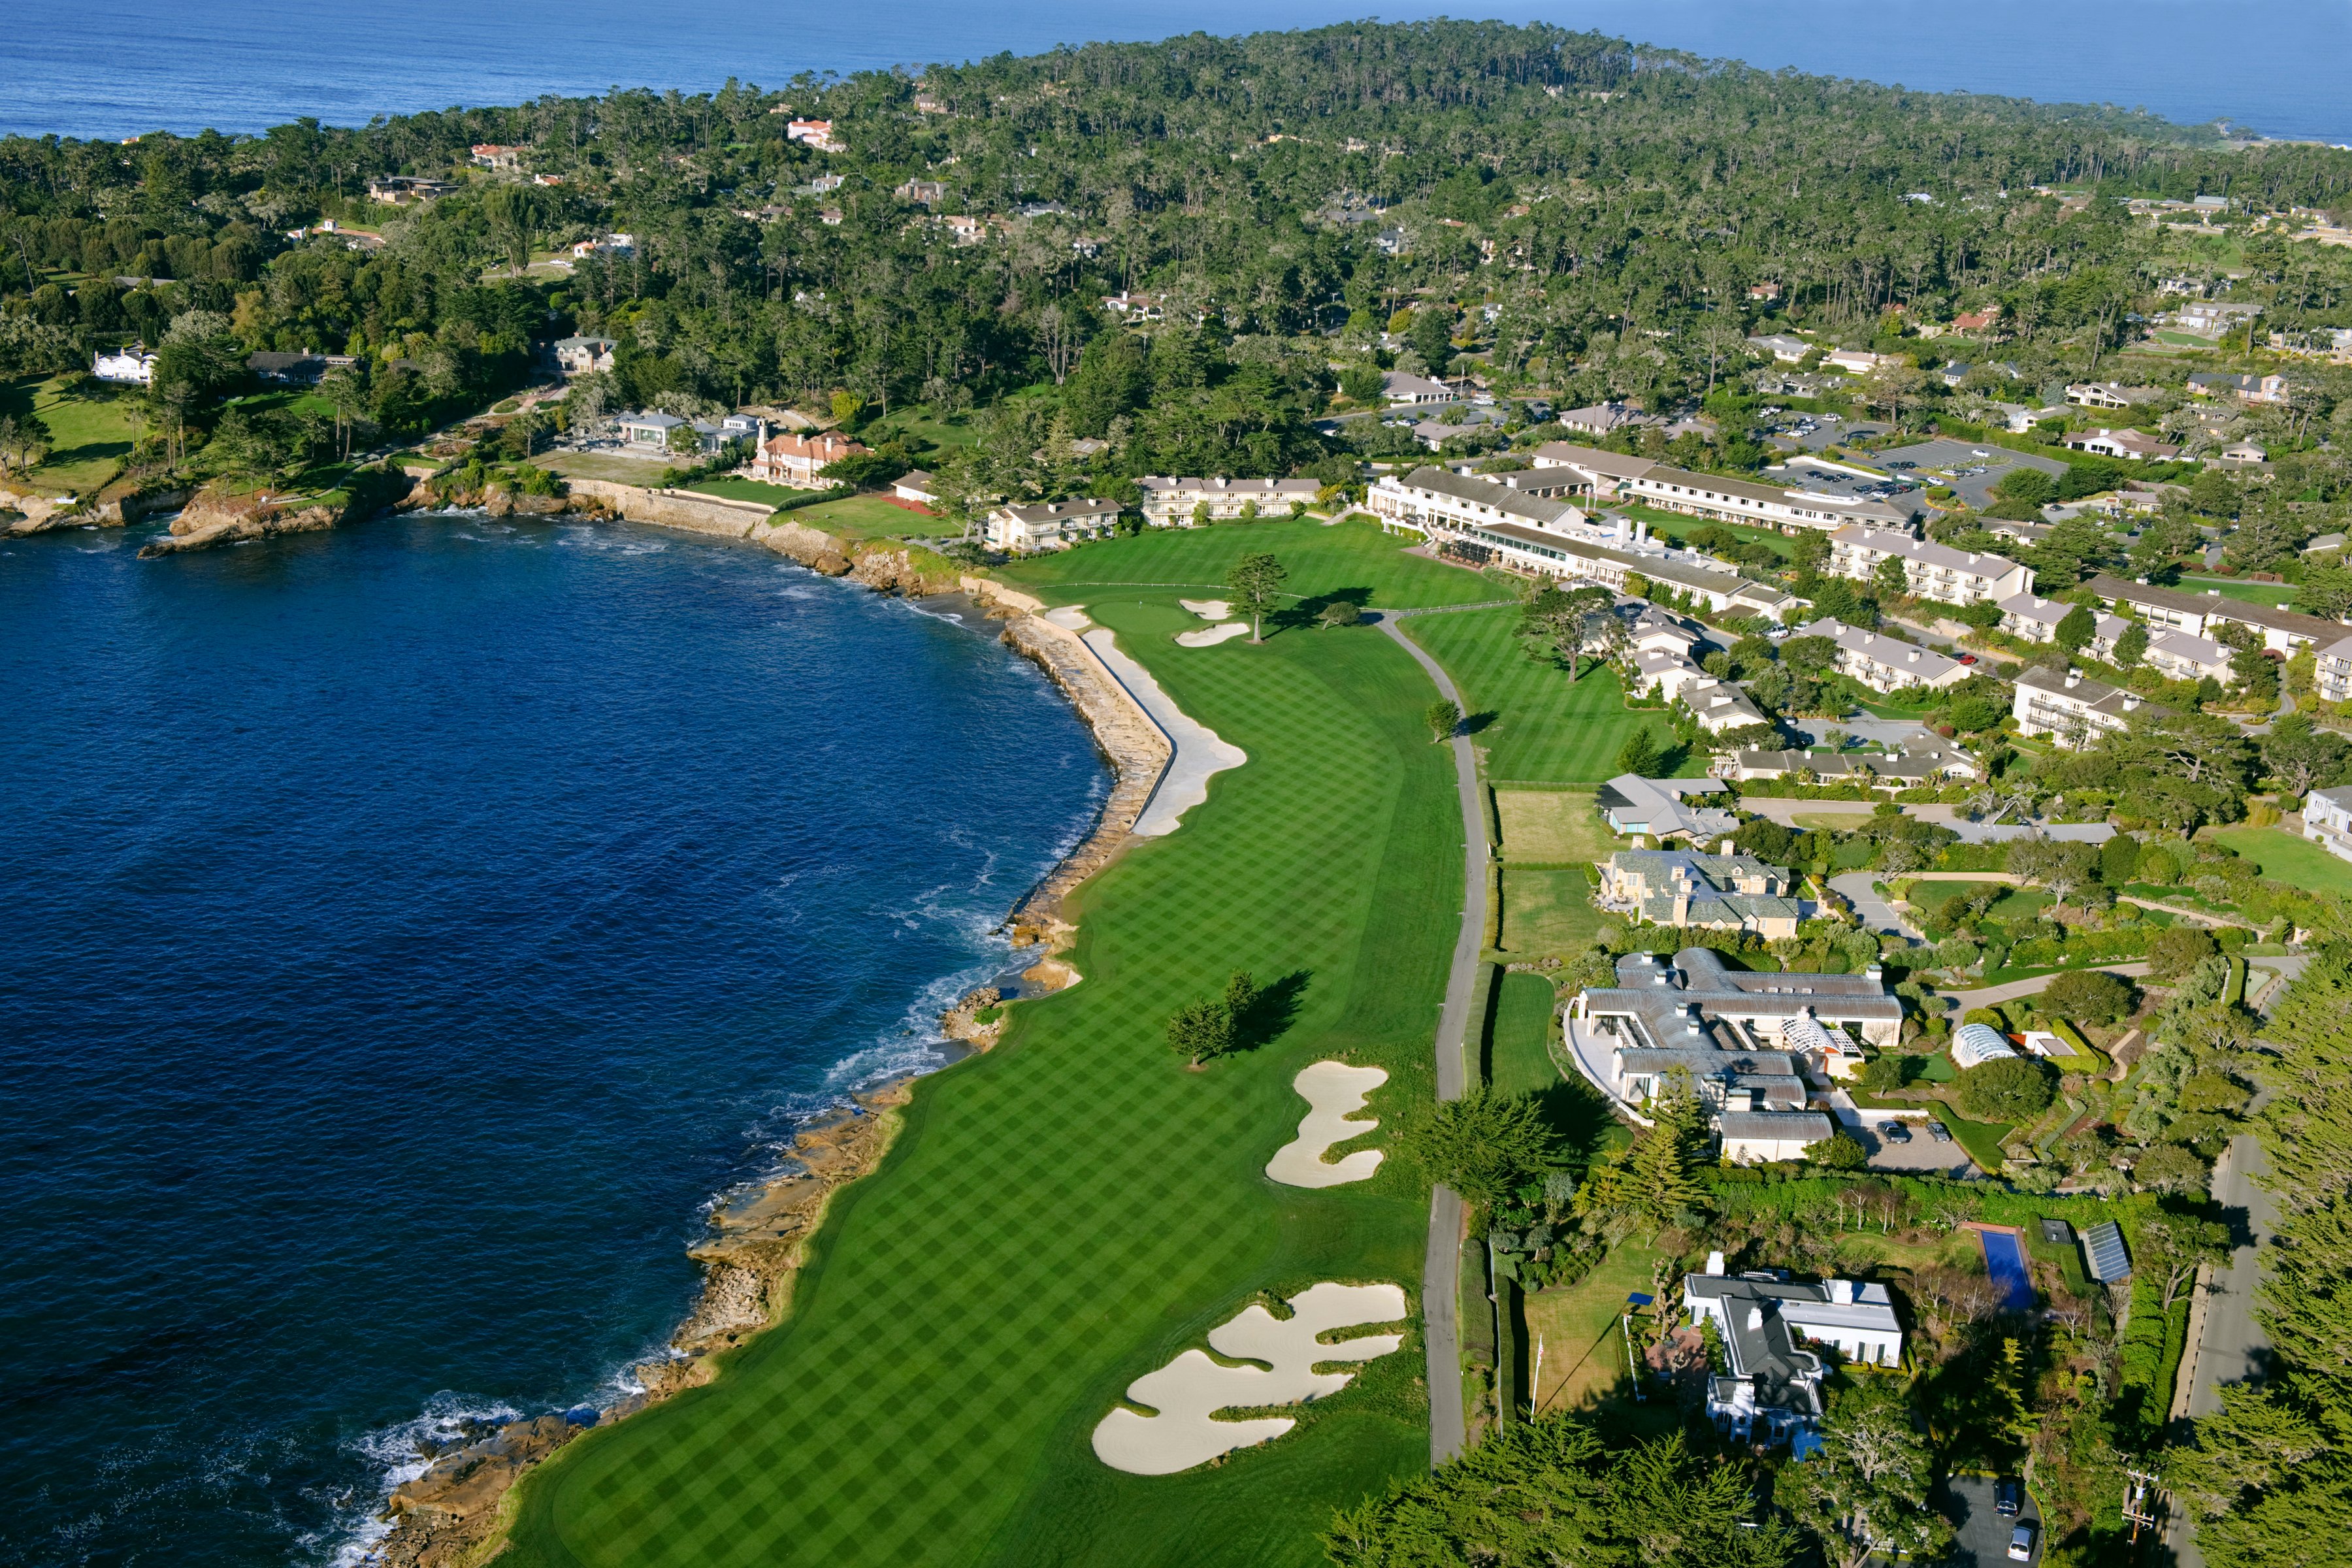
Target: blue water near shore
117	67
408	931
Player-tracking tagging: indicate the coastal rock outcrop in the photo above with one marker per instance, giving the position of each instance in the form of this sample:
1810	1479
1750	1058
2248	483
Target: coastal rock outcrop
212	518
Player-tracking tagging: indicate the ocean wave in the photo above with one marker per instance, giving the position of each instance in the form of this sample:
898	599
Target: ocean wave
396	1454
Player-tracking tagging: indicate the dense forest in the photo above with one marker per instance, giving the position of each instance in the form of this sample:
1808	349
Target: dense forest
1572	211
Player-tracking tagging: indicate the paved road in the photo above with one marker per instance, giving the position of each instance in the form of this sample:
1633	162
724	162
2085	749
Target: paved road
1986	995
1441	1280
1981	1533
1875	912
2232	1345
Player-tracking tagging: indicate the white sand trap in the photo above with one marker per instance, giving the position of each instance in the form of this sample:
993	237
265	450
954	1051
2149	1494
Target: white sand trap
1333	1089
1210	637
1069	617
1195	752
1208	609
1189	1390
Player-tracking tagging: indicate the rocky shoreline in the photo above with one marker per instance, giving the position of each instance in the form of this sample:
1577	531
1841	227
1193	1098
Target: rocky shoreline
456	1513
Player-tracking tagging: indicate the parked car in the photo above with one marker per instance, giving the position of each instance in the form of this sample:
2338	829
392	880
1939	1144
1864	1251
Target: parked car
2020	1544
1941	1134
2007	1495
1895	1133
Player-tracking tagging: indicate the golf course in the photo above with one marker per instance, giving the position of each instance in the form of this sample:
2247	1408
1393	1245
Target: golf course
1078	1207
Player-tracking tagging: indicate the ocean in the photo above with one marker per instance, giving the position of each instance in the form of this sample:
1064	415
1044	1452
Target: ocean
118	68
409	930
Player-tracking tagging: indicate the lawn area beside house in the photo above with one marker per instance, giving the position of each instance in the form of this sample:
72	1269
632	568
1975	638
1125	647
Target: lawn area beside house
610	467
1552	828
869	517
1075	1207
1546	912
1583	1347
2284	857
1519	1050
1534	725
730	487
90	433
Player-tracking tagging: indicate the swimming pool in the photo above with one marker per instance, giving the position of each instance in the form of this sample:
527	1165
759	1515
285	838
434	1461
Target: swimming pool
2005	1261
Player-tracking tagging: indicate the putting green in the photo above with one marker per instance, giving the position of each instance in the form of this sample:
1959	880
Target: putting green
1075	1208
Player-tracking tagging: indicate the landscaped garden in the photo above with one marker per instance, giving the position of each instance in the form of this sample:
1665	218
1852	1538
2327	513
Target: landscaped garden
1070	1210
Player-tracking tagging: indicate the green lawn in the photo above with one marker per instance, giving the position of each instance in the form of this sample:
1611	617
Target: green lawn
865	517
1552	828
1353	561
1074	1208
90	433
1547	912
1519	1055
920	429
1536	726
2275	594
1583	1348
2284	857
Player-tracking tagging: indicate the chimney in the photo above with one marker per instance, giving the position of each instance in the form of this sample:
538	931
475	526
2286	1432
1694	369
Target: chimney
2074	678
1682	904
2131	701
1714	1264
1755	1320
1875	974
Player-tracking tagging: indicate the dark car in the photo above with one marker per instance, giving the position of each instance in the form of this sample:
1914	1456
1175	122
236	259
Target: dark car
1940	1133
2007	1495
1895	1133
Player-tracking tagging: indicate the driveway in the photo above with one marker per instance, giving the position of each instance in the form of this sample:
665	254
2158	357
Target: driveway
1887	731
1922	1156
1980	1534
1986	997
2232	1348
1875	913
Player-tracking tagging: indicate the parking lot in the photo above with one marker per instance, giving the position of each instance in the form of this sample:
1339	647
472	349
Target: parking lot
1921	1156
1981	1533
1970	470
1810	432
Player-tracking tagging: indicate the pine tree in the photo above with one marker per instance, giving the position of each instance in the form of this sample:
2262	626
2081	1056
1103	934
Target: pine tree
1639	755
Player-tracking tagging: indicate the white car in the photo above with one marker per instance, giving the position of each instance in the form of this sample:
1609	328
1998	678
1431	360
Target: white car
2020	1543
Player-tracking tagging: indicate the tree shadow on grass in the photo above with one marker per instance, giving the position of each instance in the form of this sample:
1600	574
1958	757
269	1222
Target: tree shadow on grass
1570	1109
1474	722
1270	1015
1308	611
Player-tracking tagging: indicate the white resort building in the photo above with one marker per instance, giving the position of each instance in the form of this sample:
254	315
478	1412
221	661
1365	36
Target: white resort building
1613	476
2332	675
2204	614
1025	530
1885	663
2072	708
1169	502
1930	571
2036	620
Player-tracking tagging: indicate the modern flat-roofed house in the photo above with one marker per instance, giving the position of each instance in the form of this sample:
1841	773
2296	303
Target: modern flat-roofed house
1771	1391
916	486
2203	614
2036	620
647	431
1885	663
1025	530
129	367
2129	444
397	190
583	355
1632	803
287	369
1930	571
2072	708
799	459
2111	394
1857	362
1690	888
2334	673
2327	819
1169	502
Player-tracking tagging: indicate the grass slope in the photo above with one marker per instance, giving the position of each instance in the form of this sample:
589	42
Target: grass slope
90	433
1353	561
2286	859
1519	1057
1544	729
1074	1208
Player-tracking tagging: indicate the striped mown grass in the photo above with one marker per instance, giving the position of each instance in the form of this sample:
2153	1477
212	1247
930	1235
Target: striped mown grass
1544	729
1077	1207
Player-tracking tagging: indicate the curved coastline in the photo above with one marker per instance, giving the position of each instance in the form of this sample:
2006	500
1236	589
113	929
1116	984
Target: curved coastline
457	1509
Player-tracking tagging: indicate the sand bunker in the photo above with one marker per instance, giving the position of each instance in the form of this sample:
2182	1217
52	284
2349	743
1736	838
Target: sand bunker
1210	637
1193	1387
1069	617
1208	609
1198	752
1333	1089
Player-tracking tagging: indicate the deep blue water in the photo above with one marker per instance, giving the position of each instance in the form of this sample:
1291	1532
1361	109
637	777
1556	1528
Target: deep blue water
406	932
116	67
